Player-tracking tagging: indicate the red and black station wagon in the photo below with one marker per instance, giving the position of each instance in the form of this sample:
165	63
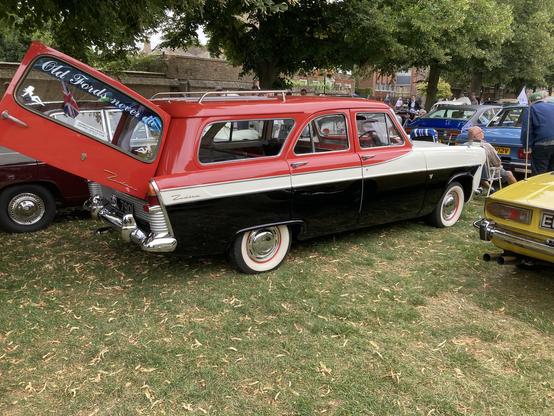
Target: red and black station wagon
204	173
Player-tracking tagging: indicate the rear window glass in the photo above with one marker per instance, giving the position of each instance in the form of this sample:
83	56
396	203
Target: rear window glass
57	90
243	139
510	117
454	113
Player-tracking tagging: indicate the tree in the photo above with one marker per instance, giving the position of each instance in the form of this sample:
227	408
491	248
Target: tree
12	45
87	30
443	89
255	34
440	33
527	57
273	39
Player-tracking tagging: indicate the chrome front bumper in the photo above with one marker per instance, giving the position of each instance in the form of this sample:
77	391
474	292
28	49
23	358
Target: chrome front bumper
489	230
126	225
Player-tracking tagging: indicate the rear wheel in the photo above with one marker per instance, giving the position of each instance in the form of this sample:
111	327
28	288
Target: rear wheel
26	208
261	250
449	208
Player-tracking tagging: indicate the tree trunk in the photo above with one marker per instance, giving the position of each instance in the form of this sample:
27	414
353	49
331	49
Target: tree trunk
476	82
432	86
268	74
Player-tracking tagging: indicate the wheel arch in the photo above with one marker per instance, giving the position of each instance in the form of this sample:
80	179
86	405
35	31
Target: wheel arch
296	226
466	180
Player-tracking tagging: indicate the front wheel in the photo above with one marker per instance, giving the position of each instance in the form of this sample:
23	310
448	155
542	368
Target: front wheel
261	250
449	208
26	208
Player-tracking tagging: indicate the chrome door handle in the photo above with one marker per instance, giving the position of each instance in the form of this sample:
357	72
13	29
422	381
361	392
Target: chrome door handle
298	164
6	116
367	157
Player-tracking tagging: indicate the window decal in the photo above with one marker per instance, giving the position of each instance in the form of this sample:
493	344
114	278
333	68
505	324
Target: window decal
57	90
72	76
29	92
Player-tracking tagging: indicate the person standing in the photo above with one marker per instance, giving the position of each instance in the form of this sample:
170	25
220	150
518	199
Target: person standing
399	103
540	124
413	105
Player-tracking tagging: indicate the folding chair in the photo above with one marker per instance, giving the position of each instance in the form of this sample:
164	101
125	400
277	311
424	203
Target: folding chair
494	175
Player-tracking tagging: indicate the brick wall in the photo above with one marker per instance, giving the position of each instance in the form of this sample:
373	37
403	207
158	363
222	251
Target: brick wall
180	73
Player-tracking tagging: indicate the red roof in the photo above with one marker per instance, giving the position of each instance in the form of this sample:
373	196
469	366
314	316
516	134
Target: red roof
240	106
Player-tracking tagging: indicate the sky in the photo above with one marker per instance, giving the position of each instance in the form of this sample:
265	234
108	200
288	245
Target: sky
157	38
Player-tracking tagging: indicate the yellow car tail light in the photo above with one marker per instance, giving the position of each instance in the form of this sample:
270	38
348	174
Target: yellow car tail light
509	212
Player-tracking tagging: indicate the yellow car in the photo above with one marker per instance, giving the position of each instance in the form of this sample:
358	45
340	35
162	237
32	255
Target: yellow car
520	220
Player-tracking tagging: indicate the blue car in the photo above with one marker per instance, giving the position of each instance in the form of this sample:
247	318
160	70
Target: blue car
450	120
503	132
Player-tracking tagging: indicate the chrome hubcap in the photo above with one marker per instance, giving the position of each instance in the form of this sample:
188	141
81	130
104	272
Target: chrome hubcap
263	244
450	205
26	209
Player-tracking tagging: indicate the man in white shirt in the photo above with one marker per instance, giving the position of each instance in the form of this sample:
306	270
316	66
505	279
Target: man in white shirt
477	134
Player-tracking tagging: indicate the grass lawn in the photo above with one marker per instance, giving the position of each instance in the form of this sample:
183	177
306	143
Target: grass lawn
394	320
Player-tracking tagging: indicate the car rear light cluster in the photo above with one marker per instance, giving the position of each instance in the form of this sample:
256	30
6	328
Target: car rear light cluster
151	198
521	153
509	212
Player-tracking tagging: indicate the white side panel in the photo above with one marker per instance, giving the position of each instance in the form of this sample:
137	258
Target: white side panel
411	162
420	159
454	156
328	176
220	190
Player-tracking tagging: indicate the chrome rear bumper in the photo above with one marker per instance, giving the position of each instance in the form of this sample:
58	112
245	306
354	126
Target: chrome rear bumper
489	230
126	225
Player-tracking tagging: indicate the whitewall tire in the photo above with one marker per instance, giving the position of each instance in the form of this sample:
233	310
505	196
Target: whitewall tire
261	250
450	207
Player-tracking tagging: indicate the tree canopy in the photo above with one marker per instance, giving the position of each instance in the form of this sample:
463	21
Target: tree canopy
509	42
88	29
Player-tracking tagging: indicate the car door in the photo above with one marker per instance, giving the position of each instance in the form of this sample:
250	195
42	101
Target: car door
325	175
53	111
394	175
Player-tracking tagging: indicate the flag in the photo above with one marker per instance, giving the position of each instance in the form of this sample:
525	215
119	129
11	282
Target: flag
522	97
70	107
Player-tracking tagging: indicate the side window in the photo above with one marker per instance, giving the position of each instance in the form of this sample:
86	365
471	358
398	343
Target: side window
376	130
326	133
59	91
243	139
508	118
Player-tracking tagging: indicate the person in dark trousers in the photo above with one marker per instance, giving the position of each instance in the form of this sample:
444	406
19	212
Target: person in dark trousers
541	132
413	105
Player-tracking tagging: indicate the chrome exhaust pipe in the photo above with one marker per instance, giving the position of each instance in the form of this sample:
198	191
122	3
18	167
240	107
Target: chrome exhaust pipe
506	259
490	257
